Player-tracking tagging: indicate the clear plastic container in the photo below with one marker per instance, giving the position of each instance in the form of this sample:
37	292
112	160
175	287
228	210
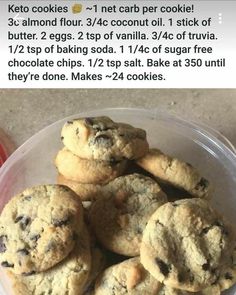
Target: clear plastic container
199	145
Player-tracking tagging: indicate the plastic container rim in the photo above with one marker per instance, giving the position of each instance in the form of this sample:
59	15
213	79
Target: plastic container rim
207	132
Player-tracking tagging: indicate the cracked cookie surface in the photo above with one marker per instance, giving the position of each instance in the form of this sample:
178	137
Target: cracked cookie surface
120	216
68	277
175	172
38	228
127	277
101	138
87	171
186	244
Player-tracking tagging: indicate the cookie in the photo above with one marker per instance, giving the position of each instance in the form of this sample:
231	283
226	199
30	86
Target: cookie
120	216
175	172
102	139
186	244
86	191
68	277
128	277
87	171
38	228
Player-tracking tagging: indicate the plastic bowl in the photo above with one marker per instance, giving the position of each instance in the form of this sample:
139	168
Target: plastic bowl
211	153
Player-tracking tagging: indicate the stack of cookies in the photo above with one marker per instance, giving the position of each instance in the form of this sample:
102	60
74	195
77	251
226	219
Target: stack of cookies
151	228
96	151
179	247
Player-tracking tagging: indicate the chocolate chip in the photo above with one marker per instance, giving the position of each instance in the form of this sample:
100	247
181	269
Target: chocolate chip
27	198
159	223
228	276
7	264
66	188
139	231
191	277
103	140
205	230
75	236
206	266
88	121
113	161
23	252
216	274
164	268
62	138
60	222
222	227
18	218
76	270
218	223
70	122
3	247
24	221
50	246
180	277
202	184
29	273
35	238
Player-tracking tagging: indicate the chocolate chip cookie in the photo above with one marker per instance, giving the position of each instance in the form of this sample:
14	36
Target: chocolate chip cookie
120	216
175	172
68	277
128	277
38	228
186	244
102	139
87	171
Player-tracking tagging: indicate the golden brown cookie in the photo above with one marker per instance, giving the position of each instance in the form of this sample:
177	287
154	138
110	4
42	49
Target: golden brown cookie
87	171
175	172
186	244
120	216
38	228
102	139
68	277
